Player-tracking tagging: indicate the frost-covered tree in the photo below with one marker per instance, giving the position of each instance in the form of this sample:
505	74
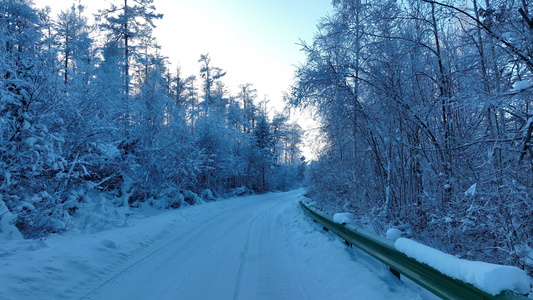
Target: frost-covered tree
30	147
210	76
69	28
126	24
247	96
91	119
263	156
415	135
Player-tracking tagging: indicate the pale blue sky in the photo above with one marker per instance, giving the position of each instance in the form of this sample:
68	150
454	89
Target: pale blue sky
253	41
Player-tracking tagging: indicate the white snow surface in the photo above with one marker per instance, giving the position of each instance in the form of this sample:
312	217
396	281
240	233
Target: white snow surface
343	218
522	85
7	230
490	278
253	247
471	192
393	234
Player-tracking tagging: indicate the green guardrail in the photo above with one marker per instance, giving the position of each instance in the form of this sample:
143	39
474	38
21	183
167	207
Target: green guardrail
399	263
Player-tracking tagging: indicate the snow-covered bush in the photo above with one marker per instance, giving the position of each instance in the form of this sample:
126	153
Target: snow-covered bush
207	194
7	229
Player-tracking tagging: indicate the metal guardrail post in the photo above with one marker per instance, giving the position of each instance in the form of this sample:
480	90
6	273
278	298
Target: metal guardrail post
399	263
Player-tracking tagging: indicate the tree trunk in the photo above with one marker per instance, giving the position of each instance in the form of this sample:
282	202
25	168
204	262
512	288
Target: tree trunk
126	52
445	94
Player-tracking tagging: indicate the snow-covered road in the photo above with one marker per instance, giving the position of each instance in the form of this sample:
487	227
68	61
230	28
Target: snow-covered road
256	247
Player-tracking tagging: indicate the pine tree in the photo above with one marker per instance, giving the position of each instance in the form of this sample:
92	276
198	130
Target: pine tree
263	155
127	24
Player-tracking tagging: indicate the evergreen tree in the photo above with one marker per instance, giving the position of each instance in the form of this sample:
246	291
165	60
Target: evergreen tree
210	75
263	156
127	24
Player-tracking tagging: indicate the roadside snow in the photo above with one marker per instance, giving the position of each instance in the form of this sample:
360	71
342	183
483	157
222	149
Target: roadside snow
490	278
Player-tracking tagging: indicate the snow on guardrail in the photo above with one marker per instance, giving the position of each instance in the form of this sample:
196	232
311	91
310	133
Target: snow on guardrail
490	278
343	218
442	274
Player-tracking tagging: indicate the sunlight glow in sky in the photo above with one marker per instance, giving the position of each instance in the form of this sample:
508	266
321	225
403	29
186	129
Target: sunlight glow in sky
253	41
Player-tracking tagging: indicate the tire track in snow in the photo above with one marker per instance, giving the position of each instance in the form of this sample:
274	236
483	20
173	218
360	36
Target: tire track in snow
245	251
267	273
93	294
243	262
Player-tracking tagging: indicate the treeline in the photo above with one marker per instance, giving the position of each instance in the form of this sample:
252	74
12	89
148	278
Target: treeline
427	115
93	111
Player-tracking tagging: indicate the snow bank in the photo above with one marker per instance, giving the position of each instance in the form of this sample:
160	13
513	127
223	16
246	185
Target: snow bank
343	218
490	278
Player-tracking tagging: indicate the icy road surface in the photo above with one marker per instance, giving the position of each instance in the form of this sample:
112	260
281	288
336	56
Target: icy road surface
255	247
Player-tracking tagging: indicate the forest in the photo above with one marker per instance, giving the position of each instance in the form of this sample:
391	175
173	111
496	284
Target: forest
427	121
425	113
91	115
